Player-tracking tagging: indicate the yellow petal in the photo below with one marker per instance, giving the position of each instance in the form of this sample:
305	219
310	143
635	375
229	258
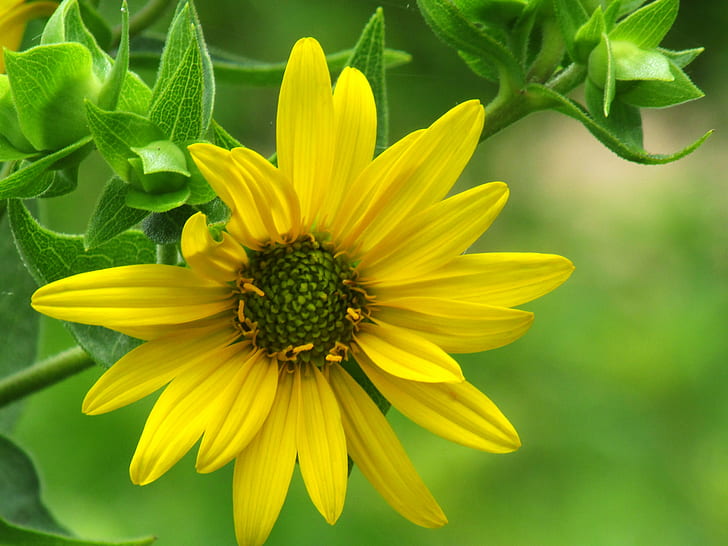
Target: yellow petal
263	470
277	201
305	125
435	236
228	181
150	366
355	126
424	173
457	412
179	416
355	204
379	455
133	295
14	15
321	443
503	279
219	261
243	407
406	354
456	326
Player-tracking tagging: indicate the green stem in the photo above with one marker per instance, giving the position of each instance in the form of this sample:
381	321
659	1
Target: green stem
568	79
550	55
43	374
143	19
167	254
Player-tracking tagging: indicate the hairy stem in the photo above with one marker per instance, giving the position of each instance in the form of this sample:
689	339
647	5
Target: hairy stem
43	374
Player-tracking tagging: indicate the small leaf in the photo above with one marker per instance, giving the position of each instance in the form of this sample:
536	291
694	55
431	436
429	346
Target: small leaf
162	156
572	16
479	66
13	535
96	24
681	58
49	85
647	26
200	191
159	202
116	133
368	57
183	95
633	63
624	121
20	501
222	138
166	228
622	149
28	181
448	23
589	35
8	152
111	89
111	215
50	256
661	94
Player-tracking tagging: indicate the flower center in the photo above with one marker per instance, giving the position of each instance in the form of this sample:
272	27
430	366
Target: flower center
299	300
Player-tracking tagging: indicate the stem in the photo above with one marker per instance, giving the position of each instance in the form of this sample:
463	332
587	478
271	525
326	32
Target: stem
550	55
167	254
566	80
144	18
43	374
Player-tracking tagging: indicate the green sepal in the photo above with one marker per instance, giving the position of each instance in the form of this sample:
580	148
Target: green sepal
111	216
661	94
623	149
368	57
627	6
611	14
116	133
28	181
217	212
602	72
20	501
681	58
479	66
162	156
111	88
571	16
589	35
624	121
449	24
67	25
50	256
18	536
633	63
492	12
241	70
200	191
13	144
160	202
165	228
62	181
647	26
183	95
49	84
8	152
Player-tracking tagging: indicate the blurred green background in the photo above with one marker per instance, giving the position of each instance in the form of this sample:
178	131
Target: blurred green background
619	391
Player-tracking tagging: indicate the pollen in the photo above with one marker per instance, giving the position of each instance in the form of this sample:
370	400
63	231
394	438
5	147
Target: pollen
300	301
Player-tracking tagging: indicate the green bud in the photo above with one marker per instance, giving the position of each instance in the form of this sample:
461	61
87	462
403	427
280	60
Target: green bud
160	167
630	63
49	84
9	124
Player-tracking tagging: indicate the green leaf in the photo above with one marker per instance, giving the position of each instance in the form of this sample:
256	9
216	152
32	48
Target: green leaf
62	181
368	57
571	16
111	89
19	323
49	85
13	144
96	24
633	63
111	216
116	133
135	95
183	95
448	23
479	67
647	26
492	12
661	94
589	35
159	202
67	25
681	58
624	121
622	149
50	256
28	181
166	228
8	152
611	14
13	535
222	138
20	501
200	191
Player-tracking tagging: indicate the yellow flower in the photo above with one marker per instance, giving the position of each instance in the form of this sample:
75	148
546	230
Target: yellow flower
332	264
14	15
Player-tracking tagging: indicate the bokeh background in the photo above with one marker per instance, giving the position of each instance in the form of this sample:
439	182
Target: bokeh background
619	391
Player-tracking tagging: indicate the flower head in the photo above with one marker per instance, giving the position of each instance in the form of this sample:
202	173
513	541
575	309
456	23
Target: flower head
332	265
14	15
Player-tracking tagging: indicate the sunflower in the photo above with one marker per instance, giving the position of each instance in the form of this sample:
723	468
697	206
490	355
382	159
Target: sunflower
331	266
14	15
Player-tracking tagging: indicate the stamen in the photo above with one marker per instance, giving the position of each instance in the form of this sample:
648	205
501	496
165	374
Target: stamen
250	287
